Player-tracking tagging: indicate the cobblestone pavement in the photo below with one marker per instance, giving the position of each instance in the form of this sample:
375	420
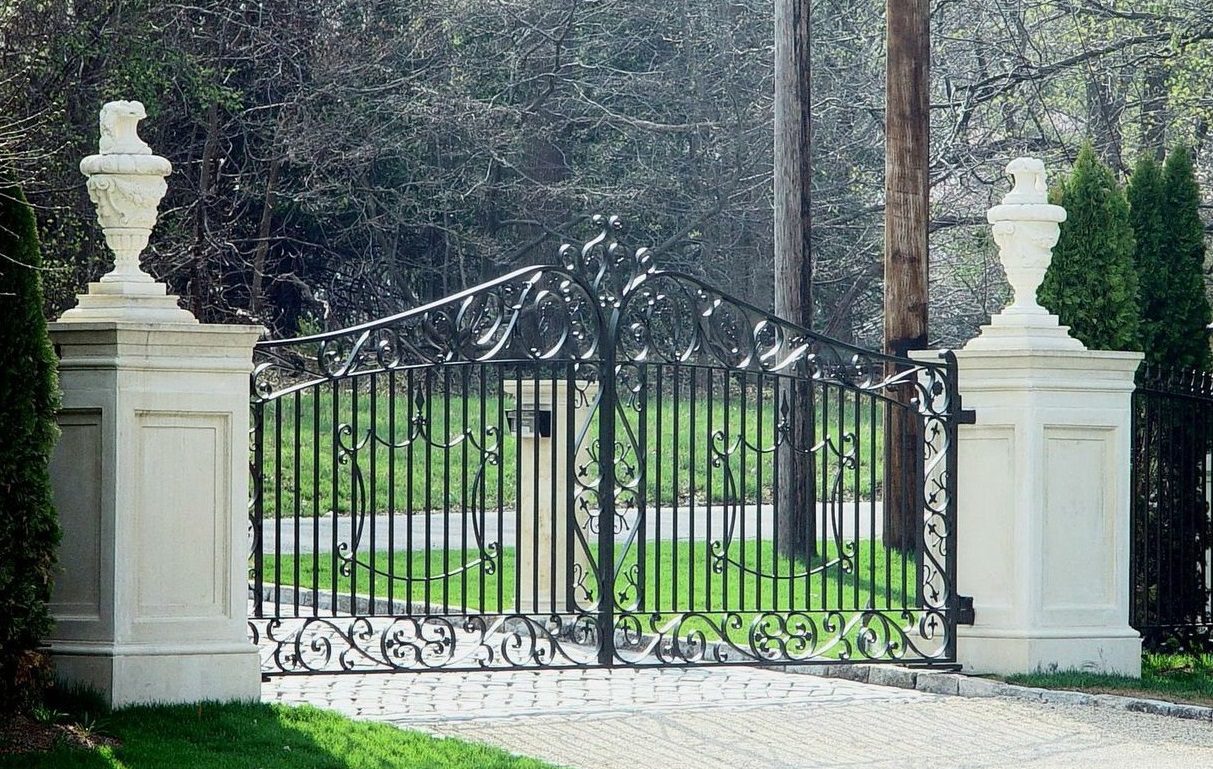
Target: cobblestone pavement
437	699
737	718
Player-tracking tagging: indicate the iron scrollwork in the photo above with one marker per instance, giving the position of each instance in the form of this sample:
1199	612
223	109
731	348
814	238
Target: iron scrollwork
633	343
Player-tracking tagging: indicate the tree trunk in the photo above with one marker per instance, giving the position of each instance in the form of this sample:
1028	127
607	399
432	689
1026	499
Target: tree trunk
1154	117
200	284
263	239
794	495
907	215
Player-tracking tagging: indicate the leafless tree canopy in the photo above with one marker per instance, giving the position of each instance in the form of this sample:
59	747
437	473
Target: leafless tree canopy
340	159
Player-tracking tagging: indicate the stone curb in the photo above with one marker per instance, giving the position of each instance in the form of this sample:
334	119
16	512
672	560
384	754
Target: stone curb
956	684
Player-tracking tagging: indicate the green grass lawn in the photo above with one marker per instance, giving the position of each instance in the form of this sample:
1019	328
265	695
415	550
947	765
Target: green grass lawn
1173	677
211	736
465	455
676	578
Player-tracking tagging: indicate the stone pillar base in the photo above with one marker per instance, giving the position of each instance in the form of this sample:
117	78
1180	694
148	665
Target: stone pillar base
1003	653
150	477
135	674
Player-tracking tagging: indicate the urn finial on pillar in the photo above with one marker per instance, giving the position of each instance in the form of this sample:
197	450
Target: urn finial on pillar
1026	227
126	183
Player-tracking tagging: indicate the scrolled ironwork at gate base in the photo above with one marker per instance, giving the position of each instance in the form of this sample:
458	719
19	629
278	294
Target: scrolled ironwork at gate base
628	516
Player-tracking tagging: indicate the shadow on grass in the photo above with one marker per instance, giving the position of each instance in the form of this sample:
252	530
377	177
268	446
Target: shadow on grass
264	736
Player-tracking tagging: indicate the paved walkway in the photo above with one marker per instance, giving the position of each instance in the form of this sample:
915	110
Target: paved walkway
738	718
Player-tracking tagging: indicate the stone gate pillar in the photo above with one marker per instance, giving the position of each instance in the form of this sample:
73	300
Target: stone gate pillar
1043	507
150	474
548	547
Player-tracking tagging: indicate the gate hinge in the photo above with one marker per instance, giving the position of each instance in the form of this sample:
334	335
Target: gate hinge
966	417
964	610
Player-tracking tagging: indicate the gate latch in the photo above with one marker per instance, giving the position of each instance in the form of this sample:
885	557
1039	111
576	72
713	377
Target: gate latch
964	610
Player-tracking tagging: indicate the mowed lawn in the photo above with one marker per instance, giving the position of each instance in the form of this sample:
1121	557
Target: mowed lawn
346	444
213	736
1176	677
678	577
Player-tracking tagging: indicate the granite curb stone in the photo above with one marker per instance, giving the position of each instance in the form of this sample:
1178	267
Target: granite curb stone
957	684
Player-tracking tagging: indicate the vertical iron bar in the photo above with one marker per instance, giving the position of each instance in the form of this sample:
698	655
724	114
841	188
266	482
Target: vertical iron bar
465	435
428	490
278	507
411	445
519	406
606	494
446	491
827	501
354	500
675	500
555	502
724	500
568	520
838	503
482	508
372	496
691	470
760	463
779	394
297	488
875	450
661	501
857	481
317	511
335	493
258	417
642	512
951	522
535	502
392	443
710	389
501	441
743	497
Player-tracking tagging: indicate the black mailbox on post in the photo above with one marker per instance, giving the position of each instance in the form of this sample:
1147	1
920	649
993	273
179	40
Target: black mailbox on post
530	422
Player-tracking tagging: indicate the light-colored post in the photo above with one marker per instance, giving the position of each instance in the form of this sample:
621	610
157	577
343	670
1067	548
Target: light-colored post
545	532
151	472
1043	483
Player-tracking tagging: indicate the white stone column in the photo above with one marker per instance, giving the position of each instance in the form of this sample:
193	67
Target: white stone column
545	536
1043	477
151	472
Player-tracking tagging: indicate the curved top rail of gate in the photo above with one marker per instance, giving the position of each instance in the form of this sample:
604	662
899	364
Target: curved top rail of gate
600	290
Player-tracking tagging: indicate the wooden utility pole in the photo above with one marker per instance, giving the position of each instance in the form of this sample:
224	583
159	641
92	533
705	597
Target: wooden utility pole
795	499
907	212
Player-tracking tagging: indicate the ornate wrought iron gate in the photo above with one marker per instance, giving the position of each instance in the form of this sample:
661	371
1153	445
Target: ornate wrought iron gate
576	465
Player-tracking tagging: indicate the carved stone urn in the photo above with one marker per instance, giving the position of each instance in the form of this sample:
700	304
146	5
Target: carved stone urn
1026	227
126	182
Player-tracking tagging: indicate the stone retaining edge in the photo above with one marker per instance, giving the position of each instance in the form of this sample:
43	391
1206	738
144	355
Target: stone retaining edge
959	685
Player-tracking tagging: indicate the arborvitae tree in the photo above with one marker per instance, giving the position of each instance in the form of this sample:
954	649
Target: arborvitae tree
1091	284
29	532
1147	201
1183	337
1170	582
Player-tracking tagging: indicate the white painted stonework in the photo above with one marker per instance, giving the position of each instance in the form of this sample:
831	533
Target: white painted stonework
151	483
1043	479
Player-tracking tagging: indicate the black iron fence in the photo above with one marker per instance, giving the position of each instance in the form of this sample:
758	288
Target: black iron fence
1171	559
578	464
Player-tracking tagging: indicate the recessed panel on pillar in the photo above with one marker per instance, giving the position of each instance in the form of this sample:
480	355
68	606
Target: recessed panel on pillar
182	496
76	468
1079	536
